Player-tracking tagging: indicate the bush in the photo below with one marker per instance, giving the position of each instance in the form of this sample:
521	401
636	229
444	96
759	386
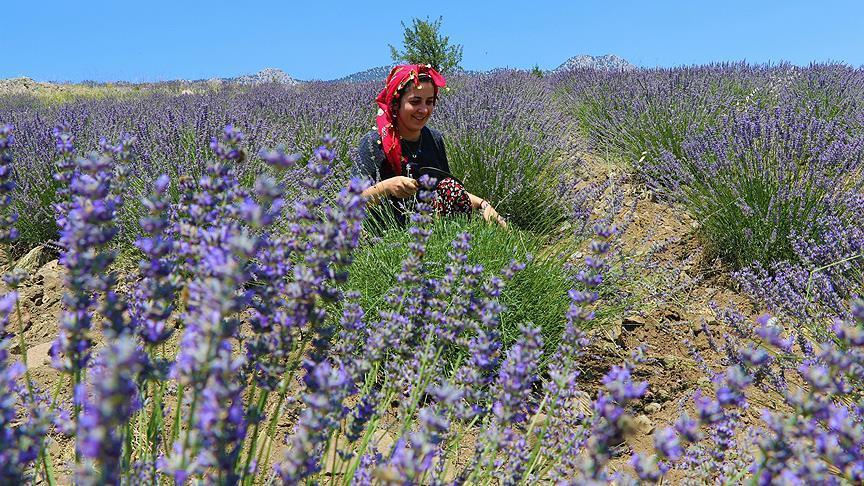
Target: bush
766	177
509	145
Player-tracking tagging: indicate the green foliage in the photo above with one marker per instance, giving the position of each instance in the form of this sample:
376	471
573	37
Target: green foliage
36	222
536	71
424	44
520	180
536	294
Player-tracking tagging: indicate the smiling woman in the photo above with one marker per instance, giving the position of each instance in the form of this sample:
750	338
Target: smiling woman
403	148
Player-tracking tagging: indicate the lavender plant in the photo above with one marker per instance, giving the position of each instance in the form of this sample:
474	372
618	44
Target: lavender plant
509	142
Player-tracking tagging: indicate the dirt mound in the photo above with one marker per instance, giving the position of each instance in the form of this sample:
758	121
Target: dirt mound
40	298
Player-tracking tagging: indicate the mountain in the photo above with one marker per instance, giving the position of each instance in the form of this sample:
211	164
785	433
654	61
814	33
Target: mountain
609	62
373	74
268	75
380	74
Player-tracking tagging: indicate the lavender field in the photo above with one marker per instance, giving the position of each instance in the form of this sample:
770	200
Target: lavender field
195	291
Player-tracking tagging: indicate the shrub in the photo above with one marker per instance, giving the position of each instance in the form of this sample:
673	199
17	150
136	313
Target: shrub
509	144
764	177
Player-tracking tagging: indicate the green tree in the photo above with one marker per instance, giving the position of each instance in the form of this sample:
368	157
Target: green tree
424	44
536	71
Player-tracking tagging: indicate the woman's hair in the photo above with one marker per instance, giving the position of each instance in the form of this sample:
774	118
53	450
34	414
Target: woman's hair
397	100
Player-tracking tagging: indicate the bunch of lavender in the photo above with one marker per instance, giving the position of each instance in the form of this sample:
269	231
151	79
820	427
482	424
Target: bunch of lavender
562	433
409	369
326	388
220	247
152	303
609	421
818	440
411	461
64	171
325	234
814	288
211	200
270	348
155	293
173	131
86	231
111	403
827	412
636	116
835	92
455	311
9	233
722	455
511	407
509	142
428	318
267	348
8	217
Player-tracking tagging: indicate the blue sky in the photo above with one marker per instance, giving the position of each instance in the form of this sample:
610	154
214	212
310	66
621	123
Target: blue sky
159	40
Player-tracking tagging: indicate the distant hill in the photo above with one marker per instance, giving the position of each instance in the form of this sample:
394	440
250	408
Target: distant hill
380	74
373	74
274	75
609	62
268	75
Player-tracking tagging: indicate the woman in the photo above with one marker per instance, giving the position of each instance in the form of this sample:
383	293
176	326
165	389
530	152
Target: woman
403	148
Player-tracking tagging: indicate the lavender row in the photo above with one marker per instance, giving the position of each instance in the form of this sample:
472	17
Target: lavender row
767	159
502	133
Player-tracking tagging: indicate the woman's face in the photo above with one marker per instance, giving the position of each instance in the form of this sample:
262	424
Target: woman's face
415	107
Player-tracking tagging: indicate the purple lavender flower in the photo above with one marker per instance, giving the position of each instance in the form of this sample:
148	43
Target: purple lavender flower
647	468
21	437
86	231
327	386
113	401
411	459
667	444
216	247
8	232
515	378
511	406
227	147
620	384
155	294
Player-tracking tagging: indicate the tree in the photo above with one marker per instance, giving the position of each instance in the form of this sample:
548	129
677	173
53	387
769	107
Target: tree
536	71
424	44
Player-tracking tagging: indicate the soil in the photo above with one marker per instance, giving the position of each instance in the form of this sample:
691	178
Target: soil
660	235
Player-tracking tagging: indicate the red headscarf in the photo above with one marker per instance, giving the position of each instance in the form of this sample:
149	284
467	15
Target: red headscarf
398	78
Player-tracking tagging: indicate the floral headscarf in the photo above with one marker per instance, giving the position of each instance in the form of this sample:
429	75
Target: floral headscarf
398	78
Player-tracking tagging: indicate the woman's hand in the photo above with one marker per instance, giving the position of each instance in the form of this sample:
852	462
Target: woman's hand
400	186
492	216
